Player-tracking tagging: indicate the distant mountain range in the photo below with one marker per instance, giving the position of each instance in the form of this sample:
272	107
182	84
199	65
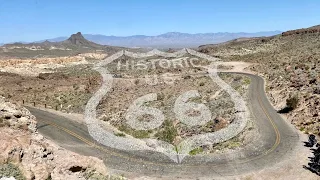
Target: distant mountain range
73	45
167	40
75	41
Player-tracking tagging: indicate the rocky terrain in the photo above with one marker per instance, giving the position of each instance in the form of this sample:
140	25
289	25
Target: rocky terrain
311	30
66	89
290	63
36	66
114	106
60	76
69	88
39	73
25	154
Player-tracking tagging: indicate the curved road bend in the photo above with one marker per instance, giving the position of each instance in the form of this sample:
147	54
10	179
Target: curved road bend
276	140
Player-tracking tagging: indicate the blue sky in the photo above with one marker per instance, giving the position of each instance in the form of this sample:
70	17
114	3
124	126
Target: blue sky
30	20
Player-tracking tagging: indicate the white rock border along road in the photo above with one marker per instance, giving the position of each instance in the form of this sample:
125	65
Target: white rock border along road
177	154
276	142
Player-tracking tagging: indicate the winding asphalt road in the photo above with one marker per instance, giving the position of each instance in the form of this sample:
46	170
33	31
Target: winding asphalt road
275	141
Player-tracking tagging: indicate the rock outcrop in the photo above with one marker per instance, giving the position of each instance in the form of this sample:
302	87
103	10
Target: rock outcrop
78	40
37	157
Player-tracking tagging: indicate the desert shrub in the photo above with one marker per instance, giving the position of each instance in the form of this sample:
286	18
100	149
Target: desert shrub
168	133
196	151
187	77
140	134
292	102
247	81
3	122
10	170
316	90
160	96
119	134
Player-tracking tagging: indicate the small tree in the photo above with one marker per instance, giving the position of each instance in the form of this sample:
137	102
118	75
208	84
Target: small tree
292	102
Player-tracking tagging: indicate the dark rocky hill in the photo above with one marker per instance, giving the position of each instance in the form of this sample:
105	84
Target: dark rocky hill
78	40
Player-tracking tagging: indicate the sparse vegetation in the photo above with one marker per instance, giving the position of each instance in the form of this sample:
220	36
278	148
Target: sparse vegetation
120	134
10	170
113	107
196	151
230	144
135	133
289	63
69	88
247	81
168	133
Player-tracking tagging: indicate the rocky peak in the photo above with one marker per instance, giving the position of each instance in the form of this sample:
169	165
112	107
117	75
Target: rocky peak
77	39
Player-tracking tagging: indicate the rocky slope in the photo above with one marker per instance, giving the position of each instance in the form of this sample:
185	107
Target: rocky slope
25	154
311	30
35	66
290	64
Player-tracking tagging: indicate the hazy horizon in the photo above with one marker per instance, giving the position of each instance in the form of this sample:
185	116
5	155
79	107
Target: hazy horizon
136	35
32	20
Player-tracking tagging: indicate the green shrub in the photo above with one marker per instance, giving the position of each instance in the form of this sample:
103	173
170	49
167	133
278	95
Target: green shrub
247	81
140	134
10	170
168	133
196	151
119	134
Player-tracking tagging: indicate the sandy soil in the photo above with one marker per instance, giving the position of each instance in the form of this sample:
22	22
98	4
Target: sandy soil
236	67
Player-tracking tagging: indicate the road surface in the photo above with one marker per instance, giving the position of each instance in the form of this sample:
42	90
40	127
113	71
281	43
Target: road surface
277	138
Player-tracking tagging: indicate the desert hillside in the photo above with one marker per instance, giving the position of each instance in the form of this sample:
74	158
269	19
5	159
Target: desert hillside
290	63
